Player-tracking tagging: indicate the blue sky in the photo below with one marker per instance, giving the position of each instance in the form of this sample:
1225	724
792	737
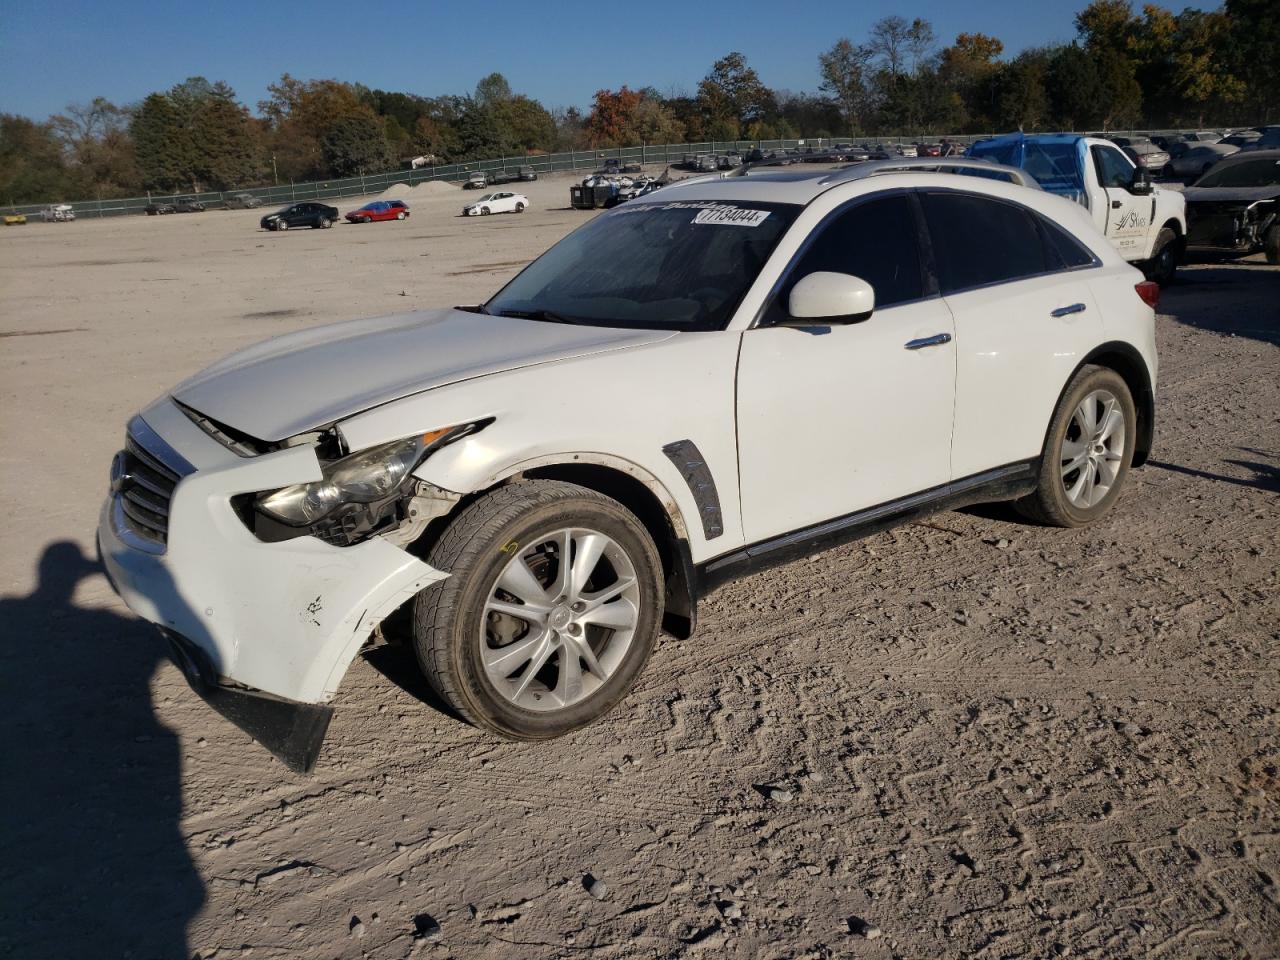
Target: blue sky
60	51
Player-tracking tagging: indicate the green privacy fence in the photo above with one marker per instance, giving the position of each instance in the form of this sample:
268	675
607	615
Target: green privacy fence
586	160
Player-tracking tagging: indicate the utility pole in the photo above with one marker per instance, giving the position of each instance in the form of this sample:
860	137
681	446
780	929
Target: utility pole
274	176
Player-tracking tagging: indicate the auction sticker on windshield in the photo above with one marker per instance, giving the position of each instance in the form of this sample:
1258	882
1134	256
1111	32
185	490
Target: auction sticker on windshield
732	216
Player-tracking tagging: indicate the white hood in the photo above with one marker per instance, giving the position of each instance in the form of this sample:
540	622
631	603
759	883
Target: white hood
309	379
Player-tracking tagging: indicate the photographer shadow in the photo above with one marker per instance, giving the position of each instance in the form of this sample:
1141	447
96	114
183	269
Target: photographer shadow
92	856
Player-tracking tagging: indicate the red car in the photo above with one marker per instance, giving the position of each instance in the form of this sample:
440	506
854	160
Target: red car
380	210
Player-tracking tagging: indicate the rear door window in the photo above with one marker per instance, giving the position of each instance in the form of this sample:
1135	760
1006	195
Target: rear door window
981	240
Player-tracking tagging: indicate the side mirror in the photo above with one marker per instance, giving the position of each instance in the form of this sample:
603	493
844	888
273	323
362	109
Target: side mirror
832	298
1141	185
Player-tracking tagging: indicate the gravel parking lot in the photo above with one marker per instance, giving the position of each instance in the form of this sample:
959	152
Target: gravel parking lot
968	737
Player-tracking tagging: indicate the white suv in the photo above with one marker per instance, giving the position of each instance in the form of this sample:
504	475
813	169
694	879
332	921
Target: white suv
718	377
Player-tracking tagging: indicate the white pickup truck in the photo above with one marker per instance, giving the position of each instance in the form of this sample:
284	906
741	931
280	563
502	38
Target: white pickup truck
1146	223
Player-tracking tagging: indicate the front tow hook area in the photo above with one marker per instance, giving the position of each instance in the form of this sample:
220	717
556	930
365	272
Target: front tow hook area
292	732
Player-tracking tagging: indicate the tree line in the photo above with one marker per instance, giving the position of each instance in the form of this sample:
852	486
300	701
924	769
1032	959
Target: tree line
1123	69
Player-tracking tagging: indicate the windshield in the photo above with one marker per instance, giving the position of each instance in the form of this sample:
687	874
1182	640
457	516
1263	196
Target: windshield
1262	172
682	265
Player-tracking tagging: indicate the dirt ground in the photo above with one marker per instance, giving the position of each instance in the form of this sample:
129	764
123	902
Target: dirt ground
968	737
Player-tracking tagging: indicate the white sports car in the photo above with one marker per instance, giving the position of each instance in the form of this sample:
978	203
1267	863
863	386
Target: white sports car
496	203
841	351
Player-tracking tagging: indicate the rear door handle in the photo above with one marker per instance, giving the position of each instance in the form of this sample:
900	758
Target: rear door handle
936	340
1067	311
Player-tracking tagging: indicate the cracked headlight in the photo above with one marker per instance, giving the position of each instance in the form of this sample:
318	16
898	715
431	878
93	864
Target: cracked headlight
367	476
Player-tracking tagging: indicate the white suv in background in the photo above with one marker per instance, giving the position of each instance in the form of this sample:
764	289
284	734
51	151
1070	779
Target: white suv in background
721	376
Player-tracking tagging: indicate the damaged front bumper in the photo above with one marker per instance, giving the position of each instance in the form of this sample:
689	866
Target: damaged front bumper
263	631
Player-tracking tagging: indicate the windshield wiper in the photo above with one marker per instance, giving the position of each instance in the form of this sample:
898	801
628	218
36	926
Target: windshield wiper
543	315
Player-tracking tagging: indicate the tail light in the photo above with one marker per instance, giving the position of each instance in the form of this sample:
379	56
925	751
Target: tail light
1149	291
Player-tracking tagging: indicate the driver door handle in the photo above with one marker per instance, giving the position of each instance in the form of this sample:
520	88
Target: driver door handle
1117	204
936	340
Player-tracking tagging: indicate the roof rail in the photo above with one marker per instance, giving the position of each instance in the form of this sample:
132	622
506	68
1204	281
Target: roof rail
970	166
965	166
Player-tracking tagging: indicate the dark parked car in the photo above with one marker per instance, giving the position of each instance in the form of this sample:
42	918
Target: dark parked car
188	205
1269	140
301	215
243	201
512	176
477	181
1234	209
158	207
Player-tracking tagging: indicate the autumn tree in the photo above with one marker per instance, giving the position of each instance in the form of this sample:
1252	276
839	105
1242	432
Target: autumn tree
844	80
731	97
969	68
608	123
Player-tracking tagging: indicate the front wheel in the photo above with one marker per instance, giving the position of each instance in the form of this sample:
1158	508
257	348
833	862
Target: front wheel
519	208
1164	261
325	223
484	211
282	224
550	611
401	215
1271	244
1087	451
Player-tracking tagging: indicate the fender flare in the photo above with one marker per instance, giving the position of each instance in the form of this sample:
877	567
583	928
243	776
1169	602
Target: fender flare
1125	359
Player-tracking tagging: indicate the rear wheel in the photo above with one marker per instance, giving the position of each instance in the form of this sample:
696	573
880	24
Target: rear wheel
549	613
1087	451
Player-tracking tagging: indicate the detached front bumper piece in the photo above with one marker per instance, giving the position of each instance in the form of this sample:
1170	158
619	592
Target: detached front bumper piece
293	732
265	631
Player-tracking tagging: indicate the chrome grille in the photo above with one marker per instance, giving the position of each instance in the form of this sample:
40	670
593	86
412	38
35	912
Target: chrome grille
143	483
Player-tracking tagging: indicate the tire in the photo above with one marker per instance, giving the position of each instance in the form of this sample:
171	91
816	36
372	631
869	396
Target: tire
1054	503
324	223
1271	244
400	216
509	532
519	208
282	224
1164	260
484	211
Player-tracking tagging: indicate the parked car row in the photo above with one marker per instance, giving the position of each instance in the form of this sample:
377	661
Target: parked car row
489	178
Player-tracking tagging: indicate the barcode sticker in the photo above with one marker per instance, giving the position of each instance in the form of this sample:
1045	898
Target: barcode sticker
732	216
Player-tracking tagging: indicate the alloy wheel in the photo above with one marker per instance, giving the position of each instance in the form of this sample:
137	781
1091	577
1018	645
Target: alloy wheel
1093	449
559	619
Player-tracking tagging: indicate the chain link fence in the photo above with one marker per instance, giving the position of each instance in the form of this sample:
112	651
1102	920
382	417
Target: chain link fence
585	160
